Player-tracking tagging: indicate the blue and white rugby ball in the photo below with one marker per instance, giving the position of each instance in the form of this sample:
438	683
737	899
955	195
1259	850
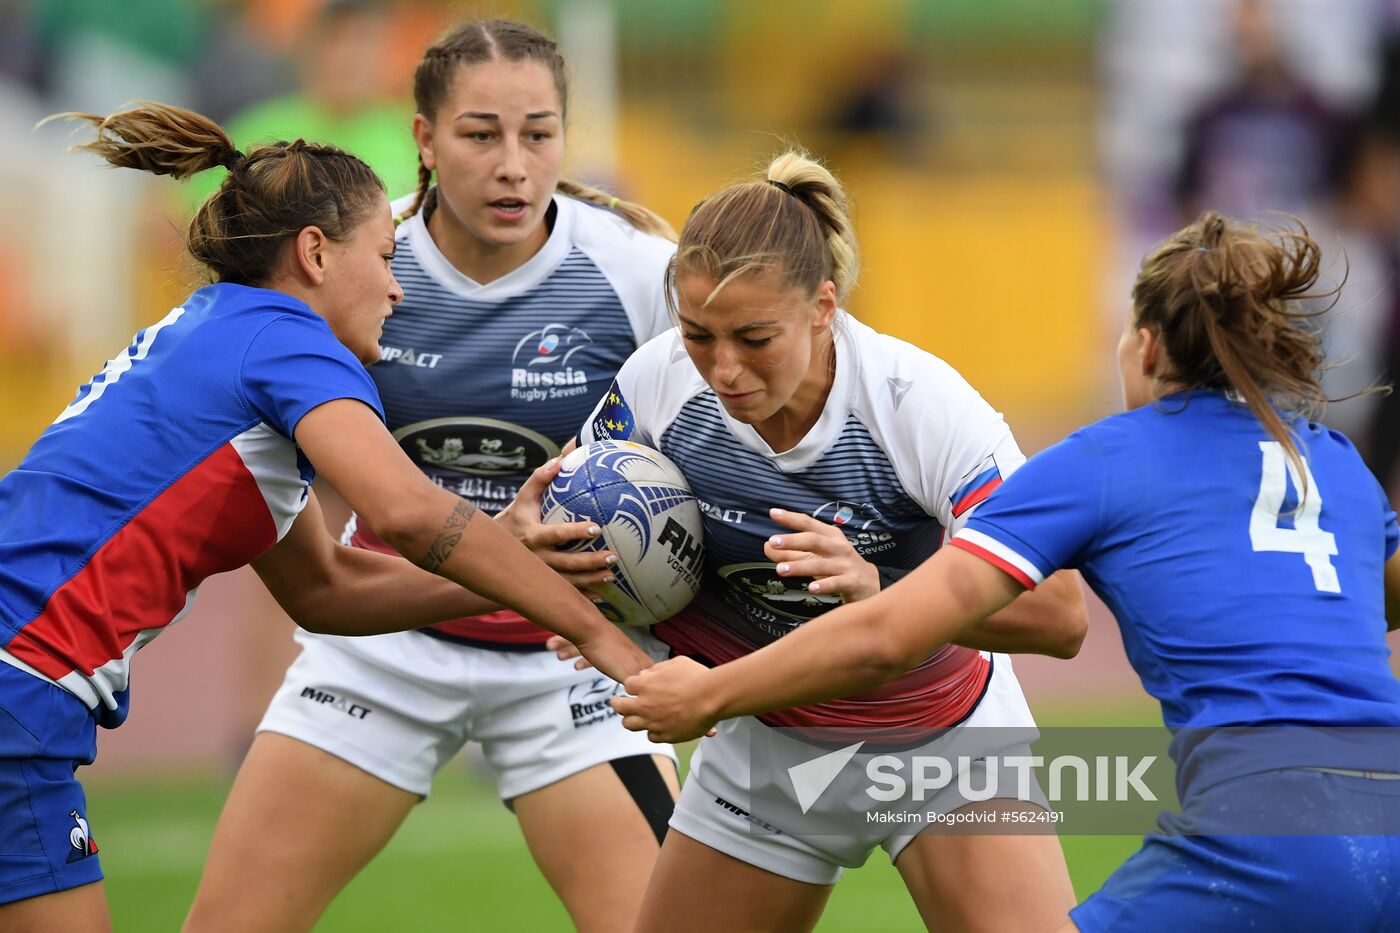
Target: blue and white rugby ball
649	518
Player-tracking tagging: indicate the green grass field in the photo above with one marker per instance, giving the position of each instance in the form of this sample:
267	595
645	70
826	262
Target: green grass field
457	864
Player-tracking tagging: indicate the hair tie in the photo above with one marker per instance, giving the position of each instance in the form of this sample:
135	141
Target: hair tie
233	158
612	203
780	186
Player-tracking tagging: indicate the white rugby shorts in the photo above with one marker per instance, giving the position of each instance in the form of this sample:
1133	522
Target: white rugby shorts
728	794
399	706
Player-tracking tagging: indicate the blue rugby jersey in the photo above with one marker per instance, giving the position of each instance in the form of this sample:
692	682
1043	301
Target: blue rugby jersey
903	450
483	383
175	462
1237	606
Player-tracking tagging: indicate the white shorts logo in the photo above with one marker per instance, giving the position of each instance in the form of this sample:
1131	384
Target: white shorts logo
590	702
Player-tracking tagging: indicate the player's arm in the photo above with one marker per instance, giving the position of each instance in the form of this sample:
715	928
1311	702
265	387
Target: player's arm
1392	593
446	535
846	651
336	590
1052	620
1054	499
865	644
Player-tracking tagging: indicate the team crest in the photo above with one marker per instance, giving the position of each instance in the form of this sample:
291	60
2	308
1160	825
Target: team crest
850	516
552	345
760	583
542	365
80	841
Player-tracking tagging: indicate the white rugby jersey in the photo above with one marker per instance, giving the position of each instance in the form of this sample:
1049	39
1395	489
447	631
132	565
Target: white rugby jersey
483	383
902	451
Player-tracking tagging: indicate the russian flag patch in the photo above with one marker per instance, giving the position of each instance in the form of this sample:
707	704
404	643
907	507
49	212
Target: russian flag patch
976	486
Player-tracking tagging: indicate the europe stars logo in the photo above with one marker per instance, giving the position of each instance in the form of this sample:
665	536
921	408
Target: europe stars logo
614	420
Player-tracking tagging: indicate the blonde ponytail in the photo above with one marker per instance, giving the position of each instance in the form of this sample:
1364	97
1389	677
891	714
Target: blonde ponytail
813	184
793	223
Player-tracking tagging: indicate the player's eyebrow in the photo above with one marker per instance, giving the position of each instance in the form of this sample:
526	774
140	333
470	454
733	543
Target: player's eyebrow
754	326
738	330
496	117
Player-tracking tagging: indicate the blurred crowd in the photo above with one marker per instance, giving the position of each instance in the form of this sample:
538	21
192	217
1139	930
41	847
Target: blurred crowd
1235	103
323	69
1264	108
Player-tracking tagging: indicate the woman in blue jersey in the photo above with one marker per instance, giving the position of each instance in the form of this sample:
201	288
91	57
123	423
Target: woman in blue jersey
191	453
1242	549
524	293
770	393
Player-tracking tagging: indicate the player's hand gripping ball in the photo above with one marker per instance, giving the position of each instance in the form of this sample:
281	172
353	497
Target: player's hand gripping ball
649	518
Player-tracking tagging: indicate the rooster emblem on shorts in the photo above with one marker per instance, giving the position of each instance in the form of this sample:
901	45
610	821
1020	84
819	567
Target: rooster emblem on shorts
80	839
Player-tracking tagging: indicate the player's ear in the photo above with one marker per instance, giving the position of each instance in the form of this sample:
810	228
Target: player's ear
1150	354
310	254
423	136
825	307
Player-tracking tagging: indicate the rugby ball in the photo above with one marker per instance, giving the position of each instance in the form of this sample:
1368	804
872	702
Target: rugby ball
649	518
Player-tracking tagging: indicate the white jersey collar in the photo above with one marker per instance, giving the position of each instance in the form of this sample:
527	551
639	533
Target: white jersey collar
833	417
518	280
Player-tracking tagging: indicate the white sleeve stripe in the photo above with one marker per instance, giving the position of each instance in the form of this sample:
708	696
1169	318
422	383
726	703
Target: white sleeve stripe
993	546
119	366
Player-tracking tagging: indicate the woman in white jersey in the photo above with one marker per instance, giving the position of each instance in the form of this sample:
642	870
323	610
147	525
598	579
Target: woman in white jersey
524	293
770	394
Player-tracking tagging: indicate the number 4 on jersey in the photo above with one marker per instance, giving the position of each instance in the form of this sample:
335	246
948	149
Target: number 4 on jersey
1318	547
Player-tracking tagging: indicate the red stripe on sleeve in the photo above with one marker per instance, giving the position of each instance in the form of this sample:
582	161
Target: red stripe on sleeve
1016	573
977	495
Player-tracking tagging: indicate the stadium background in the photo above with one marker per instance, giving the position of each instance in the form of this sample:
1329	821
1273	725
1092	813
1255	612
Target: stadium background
1009	160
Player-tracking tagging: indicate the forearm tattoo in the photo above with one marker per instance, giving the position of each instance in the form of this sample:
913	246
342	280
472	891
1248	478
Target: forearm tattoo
447	539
